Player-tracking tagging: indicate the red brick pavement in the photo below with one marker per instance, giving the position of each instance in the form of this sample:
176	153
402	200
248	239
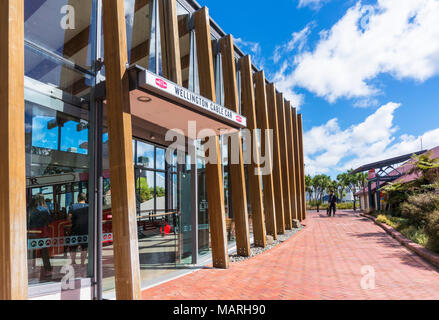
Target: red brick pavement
323	261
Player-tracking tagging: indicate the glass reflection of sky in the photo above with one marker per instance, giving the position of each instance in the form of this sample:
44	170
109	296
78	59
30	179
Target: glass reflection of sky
145	154
43	137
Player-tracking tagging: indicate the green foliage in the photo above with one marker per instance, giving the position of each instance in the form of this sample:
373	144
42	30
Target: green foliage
418	207
412	232
432	230
146	193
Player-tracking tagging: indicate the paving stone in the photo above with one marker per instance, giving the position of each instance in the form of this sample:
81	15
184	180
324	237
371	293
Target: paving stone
331	258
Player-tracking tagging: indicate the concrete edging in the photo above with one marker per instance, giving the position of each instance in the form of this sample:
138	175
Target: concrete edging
428	255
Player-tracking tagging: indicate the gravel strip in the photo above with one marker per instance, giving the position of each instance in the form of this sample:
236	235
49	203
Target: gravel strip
258	250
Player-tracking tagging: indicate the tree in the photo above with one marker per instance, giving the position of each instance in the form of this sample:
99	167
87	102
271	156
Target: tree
320	183
343	182
308	185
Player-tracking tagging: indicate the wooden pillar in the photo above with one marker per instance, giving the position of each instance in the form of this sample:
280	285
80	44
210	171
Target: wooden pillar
298	176
237	174
170	41
291	160
13	233
214	177
284	161
248	109
263	121
302	165
277	166
123	200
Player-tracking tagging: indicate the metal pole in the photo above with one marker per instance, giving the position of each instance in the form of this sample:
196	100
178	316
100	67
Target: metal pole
378	195
369	188
194	196
99	197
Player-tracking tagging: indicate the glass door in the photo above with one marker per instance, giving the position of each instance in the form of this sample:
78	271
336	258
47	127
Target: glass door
185	218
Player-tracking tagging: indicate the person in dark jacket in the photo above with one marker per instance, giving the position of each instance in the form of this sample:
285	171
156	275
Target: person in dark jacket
78	215
332	203
39	220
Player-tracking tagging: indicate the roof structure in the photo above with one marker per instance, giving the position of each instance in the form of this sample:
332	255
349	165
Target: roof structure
401	174
386	163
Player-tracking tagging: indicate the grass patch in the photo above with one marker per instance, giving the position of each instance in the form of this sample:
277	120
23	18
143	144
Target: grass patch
411	232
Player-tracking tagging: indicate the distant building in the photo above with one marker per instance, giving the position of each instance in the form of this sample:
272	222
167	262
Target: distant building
384	172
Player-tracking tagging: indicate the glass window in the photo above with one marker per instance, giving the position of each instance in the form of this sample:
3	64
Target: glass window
53	72
188	52
57	194
63	27
140	26
145	155
160	159
160	188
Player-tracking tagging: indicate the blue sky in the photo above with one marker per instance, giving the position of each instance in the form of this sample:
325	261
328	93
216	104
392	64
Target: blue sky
365	74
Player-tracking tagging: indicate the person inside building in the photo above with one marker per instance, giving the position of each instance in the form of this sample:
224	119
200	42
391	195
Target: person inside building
78	215
332	203
39	220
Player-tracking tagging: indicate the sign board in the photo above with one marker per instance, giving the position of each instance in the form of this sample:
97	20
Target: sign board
151	81
371	174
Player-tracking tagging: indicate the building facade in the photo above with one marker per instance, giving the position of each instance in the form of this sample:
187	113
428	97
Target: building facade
130	130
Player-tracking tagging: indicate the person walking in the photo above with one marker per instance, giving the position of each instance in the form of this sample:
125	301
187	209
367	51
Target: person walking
332	204
79	217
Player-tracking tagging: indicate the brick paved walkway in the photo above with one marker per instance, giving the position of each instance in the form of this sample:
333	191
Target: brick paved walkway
323	261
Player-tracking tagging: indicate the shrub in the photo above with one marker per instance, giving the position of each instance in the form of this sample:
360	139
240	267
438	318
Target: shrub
432	230
417	235
418	207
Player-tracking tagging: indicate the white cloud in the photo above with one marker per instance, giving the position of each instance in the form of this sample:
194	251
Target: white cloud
254	48
396	37
314	4
328	148
297	42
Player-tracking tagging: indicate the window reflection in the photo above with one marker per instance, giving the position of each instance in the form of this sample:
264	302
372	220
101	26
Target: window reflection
57	194
140	28
68	32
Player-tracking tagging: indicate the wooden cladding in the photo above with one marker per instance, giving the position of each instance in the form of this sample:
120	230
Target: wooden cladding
214	177
302	166
291	159
297	166
237	174
248	109
277	166
284	161
13	233
123	200
262	117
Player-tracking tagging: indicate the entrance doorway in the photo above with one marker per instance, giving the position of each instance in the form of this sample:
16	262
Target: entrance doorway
164	211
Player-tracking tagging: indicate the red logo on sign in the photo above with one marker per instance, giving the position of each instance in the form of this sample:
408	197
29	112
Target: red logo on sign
239	119
162	84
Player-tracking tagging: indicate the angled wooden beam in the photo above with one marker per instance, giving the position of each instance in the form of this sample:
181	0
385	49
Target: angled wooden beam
298	170
13	233
248	109
277	165
170	41
214	176
237	173
263	120
123	201
284	161
302	166
291	161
